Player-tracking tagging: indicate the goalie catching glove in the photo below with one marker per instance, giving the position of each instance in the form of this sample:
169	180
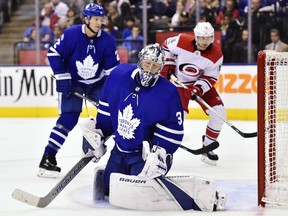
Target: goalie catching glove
93	142
157	162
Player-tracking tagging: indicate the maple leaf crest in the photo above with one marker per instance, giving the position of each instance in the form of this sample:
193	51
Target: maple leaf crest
87	69
126	123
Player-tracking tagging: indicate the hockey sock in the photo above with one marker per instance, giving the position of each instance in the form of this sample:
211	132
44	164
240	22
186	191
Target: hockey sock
57	138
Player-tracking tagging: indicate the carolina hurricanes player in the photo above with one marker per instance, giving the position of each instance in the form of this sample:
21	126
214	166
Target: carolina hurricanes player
196	61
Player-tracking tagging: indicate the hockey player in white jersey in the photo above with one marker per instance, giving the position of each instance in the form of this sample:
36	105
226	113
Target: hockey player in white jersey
81	59
147	128
196	61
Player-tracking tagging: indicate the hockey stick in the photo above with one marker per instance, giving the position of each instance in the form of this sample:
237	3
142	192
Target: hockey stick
245	135
86	98
42	202
202	150
80	95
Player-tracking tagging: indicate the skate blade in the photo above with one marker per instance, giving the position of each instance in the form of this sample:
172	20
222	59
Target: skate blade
208	161
43	173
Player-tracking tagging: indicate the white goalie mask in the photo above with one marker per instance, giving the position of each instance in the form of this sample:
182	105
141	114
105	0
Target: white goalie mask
204	32
151	61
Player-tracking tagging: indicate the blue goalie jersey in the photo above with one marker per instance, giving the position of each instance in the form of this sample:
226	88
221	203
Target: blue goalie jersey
133	113
88	60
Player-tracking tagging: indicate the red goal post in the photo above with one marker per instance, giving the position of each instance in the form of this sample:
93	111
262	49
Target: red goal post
272	128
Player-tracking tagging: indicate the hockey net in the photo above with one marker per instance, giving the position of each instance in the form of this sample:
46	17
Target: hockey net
272	128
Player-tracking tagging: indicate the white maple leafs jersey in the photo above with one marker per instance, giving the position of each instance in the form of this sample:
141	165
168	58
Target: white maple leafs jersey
133	113
88	60
193	66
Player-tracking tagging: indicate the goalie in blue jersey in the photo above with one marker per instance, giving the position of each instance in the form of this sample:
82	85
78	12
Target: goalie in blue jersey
143	113
135	108
81	59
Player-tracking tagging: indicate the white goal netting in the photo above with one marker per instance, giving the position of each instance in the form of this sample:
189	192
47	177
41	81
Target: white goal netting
276	128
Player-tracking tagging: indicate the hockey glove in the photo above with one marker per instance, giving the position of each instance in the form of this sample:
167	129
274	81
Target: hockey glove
168	70
157	163
93	140
193	92
63	83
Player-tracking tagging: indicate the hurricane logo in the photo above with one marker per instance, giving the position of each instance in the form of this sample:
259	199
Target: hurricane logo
190	70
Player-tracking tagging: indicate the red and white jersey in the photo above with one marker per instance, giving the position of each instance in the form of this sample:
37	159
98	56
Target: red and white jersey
193	66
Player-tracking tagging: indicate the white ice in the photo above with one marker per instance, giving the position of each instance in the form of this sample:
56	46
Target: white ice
22	145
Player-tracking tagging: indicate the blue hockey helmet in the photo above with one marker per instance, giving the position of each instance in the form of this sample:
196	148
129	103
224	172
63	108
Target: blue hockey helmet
151	61
93	10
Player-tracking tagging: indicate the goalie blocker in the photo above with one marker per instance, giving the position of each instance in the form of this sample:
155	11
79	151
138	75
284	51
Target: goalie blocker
172	193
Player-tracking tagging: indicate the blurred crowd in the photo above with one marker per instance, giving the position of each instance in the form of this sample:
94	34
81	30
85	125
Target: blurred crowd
124	22
6	9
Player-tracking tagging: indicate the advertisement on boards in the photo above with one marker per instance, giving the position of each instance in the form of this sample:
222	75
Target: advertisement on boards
31	91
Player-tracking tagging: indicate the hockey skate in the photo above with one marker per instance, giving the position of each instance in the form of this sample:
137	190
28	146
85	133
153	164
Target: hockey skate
210	157
220	201
48	167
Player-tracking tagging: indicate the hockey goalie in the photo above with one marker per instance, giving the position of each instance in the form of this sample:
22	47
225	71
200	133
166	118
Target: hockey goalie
145	138
155	192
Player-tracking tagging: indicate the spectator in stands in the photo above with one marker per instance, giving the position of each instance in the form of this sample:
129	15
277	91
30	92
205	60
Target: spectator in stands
276	44
186	22
57	31
180	8
59	7
72	17
233	36
240	50
129	23
124	8
206	14
163	9
77	5
230	8
258	22
49	18
30	34
30	39
214	6
224	25
162	12
190	7
111	28
116	18
62	22
134	43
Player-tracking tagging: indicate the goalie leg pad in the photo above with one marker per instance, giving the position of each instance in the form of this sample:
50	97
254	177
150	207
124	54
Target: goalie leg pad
172	193
201	189
140	194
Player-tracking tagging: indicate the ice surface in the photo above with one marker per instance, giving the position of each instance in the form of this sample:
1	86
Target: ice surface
22	144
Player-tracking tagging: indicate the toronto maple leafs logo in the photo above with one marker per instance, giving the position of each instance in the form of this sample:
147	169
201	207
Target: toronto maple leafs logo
87	69
126	123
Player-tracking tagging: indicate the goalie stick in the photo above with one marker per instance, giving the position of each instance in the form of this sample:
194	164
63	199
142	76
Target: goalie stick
245	135
42	202
202	150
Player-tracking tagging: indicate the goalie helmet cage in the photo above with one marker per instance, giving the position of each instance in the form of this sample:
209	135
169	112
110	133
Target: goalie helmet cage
272	73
